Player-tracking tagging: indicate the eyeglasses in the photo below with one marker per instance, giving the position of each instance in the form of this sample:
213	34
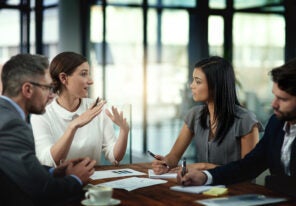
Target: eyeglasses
49	88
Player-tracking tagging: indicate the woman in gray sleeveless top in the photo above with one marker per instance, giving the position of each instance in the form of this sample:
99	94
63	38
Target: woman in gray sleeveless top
222	129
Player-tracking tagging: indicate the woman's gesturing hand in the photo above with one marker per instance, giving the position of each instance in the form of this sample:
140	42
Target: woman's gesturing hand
88	115
117	118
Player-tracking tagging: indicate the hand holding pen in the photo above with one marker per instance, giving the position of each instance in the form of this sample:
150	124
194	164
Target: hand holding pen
159	166
192	177
87	116
158	157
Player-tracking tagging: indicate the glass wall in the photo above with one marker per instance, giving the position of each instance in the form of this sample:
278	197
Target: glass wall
123	71
9	35
167	76
50	32
216	35
258	47
166	70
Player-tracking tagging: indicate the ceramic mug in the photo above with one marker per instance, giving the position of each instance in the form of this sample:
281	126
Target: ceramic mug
99	194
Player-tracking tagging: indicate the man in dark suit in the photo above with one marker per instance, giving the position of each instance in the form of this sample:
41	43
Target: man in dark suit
275	151
27	89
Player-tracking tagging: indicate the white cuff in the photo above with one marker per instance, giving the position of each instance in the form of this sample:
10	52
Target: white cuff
209	177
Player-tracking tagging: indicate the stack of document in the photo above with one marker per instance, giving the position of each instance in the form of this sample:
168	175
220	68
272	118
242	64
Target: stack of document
132	183
162	176
128	184
115	173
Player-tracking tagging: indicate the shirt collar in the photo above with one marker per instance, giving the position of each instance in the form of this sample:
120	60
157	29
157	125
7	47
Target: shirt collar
65	114
289	128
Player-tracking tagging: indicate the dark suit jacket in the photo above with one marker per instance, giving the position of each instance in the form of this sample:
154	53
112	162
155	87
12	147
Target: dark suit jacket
19	164
266	155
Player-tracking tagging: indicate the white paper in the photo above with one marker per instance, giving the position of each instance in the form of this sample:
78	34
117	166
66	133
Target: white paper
162	176
194	189
132	183
241	200
115	173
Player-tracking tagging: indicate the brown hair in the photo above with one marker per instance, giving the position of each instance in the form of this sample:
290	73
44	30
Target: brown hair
66	62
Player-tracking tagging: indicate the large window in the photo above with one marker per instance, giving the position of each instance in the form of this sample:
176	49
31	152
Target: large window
258	47
216	37
9	35
50	32
145	61
124	72
167	76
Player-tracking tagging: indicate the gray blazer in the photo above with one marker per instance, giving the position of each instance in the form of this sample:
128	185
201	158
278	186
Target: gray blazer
19	163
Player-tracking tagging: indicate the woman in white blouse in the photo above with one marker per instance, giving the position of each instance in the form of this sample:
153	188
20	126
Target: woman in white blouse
73	125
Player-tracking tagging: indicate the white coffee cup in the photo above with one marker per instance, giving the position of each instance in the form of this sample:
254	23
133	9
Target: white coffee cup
99	194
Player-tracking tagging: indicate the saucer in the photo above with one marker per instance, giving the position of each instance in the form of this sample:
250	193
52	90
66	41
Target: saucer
111	202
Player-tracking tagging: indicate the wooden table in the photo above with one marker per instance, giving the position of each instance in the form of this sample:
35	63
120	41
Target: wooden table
161	195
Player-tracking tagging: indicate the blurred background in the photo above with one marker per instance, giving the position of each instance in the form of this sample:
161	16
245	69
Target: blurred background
142	52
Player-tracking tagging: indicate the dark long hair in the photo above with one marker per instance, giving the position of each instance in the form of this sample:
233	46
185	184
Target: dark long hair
221	84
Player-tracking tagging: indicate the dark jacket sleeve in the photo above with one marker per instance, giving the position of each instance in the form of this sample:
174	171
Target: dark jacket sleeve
18	161
254	163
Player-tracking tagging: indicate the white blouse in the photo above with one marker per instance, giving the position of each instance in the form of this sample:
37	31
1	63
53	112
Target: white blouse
89	141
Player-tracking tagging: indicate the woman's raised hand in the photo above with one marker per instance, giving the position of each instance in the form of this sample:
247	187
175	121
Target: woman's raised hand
117	118
89	114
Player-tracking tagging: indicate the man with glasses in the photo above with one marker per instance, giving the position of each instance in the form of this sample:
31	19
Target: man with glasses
43	86
27	89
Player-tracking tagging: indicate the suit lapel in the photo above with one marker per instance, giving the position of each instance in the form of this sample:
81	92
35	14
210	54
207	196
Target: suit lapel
276	148
280	139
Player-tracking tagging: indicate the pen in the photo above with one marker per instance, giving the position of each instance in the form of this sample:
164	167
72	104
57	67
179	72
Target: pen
154	156
183	167
97	101
151	154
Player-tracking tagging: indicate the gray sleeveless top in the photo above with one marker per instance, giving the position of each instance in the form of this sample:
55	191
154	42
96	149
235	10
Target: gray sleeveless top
230	148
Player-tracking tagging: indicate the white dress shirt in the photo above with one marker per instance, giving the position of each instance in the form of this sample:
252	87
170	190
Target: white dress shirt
290	133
